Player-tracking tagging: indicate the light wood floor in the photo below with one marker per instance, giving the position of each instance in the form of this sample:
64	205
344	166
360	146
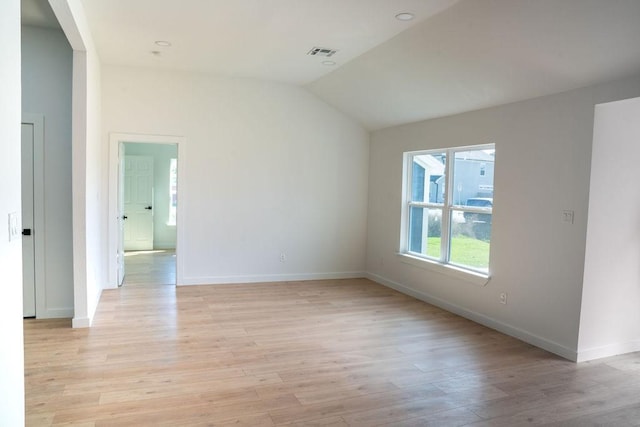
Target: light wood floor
325	353
157	267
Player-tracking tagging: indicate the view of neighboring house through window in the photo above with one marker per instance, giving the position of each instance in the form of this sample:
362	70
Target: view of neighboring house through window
173	195
448	205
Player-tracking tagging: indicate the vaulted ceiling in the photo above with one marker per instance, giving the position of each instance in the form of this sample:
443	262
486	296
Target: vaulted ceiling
454	56
482	53
263	39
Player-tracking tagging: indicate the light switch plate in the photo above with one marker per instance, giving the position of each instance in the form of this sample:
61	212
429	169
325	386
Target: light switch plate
14	226
567	216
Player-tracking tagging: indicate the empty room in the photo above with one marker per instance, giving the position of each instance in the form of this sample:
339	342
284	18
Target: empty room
320	212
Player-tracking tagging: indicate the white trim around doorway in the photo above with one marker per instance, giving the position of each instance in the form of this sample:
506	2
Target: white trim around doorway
114	141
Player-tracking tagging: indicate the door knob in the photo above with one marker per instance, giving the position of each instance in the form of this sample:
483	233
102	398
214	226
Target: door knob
124	217
26	232
148	208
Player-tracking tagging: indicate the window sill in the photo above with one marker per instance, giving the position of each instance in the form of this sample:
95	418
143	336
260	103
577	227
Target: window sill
449	270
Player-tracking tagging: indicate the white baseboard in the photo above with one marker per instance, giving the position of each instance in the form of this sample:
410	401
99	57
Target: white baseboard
56	313
85	322
518	333
110	286
81	322
608	351
164	245
218	280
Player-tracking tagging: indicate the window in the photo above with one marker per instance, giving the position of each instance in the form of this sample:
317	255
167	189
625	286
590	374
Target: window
173	194
448	206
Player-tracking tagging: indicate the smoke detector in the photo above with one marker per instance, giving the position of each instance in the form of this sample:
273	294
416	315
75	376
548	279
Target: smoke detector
322	51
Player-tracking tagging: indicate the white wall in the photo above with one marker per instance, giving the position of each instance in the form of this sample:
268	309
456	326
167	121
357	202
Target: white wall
96	193
610	316
46	76
164	235
269	169
11	356
543	155
89	197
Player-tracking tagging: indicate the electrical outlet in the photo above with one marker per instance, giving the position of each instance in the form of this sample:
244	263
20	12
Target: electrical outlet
283	257
503	297
14	226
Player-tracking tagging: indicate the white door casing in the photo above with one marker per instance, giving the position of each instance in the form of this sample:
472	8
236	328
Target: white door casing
138	203
114	234
121	215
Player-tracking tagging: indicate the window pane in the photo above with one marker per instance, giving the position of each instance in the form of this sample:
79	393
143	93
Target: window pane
473	178
470	242
424	231
427	177
464	177
173	195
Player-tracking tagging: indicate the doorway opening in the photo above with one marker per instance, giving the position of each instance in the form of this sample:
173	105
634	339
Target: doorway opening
145	220
149	213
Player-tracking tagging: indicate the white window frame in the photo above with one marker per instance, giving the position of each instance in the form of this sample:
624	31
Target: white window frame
441	264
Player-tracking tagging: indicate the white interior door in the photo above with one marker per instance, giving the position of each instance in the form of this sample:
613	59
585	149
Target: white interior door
138	203
28	247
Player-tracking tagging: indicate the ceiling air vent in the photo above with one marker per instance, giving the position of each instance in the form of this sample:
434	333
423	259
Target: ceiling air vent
321	51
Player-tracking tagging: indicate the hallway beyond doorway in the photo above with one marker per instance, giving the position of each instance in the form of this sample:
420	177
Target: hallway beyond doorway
156	267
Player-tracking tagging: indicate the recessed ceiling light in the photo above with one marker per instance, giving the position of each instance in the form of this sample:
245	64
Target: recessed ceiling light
405	16
163	43
328	63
